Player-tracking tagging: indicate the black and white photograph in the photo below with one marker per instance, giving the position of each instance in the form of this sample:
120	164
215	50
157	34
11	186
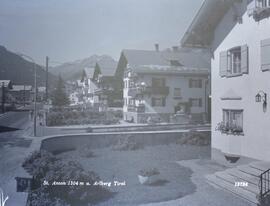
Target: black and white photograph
134	103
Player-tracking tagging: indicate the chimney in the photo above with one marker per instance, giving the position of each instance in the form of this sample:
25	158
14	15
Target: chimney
175	49
157	47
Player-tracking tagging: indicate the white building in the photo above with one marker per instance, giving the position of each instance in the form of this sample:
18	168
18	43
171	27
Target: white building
238	34
158	84
89	86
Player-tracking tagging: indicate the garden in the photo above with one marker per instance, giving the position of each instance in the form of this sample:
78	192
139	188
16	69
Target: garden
125	173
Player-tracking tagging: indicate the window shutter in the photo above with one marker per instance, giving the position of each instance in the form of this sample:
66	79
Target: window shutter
200	102
189	83
223	63
244	59
265	55
163	101
200	83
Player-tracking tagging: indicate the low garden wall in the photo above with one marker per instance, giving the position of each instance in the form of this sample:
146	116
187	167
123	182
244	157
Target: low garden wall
60	143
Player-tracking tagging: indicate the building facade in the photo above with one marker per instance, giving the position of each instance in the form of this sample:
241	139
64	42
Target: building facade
108	94
157	85
239	37
22	94
89	87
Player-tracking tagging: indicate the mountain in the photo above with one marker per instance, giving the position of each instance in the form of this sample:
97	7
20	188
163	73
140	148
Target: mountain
19	70
73	70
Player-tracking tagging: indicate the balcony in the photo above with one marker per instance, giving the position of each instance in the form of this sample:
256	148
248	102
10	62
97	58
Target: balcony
139	109
157	90
259	9
134	91
103	91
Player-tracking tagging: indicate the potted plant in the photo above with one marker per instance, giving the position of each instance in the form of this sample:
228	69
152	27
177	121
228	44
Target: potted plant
236	129
148	176
222	127
229	128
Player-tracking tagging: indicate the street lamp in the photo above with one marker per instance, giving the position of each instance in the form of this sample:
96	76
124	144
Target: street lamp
35	94
261	96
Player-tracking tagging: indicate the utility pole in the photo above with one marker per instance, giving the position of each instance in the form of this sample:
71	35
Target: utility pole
47	76
35	102
24	95
35	92
3	97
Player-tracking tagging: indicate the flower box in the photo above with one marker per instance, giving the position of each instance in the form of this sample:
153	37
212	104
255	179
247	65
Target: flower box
148	176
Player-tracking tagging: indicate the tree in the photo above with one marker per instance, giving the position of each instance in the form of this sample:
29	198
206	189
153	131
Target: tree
59	97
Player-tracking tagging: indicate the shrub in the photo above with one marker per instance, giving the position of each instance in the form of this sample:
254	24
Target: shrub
44	166
86	152
39	163
194	138
62	116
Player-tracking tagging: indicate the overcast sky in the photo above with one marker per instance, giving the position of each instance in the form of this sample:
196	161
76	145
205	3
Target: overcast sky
68	30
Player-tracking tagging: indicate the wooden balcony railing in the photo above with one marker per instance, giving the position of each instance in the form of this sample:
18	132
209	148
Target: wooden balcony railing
139	109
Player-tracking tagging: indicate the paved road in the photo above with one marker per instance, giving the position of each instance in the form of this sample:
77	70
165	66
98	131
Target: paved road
14	147
13	126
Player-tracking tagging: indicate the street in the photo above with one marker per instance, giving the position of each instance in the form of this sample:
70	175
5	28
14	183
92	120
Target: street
14	147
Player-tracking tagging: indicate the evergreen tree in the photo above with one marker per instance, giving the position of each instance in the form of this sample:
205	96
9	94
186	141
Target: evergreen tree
59	96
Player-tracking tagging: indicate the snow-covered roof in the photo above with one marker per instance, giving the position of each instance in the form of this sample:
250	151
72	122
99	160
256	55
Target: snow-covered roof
185	57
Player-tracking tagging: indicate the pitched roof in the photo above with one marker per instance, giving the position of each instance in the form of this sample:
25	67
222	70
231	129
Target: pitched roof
89	72
107	68
144	57
185	57
5	82
200	32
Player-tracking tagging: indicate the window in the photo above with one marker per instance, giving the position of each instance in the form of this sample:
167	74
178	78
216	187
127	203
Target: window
234	60
177	92
233	119
131	101
130	84
158	82
195	102
158	102
195	83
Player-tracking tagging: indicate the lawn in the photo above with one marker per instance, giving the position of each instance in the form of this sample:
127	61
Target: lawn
124	166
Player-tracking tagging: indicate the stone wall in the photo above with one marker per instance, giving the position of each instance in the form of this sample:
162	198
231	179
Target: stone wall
101	140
